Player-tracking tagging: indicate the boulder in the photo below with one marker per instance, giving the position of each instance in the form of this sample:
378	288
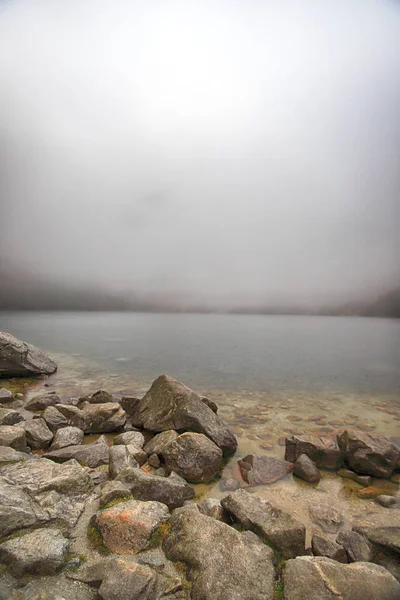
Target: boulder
172	491
322	546
324	452
120	459
19	359
221	563
67	436
387	538
100	418
73	416
9	416
127	528
54	419
325	516
171	405
41	552
99	397
42	401
92	455
113	490
13	436
159	442
367	454
306	469
320	578
278	528
16	509
257	469
133	438
9	455
357	547
193	456
5	395
138	454
38	435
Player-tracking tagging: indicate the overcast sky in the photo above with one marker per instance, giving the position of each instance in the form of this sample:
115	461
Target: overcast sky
234	150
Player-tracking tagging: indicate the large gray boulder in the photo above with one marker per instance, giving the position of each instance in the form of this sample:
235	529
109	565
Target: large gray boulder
67	436
8	416
38	435
120	458
320	578
41	552
221	563
91	455
323	451
171	405
256	469
172	491
369	455
42	401
193	456
13	436
282	531
19	359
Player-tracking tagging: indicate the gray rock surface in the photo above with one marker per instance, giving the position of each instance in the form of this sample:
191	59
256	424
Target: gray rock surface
99	397
324	452
14	437
67	436
92	455
193	456
222	563
9	455
19	359
325	516
9	416
101	418
322	546
210	403
367	454
384	537
172	491
357	547
388	501
120	459
256	469
159	442
42	401
306	469
5	396
320	578
113	490
134	438
41	552
54	419
52	587
278	528
38	435
212	507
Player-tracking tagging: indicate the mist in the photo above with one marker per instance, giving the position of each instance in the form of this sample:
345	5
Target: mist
219	151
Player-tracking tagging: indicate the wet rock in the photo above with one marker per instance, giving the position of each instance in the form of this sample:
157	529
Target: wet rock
154	461
306	469
324	452
229	484
388	501
42	552
134	438
278	528
54	419
5	396
212	507
194	457
159	442
92	455
172	491
384	537
320	578
256	469
322	546
325	516
210	403
38	435
113	490
120	459
42	401
221	562
357	547
361	479
367	454
9	416
367	493
13	436
171	405
9	455
128	527
67	436
19	359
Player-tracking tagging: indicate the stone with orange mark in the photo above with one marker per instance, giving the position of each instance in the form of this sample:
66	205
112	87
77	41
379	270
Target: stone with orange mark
127	528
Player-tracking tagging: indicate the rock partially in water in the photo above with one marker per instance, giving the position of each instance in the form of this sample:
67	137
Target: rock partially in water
370	492
42	401
41	552
120	458
256	469
320	578
38	435
229	484
388	501
159	442
325	516
357	547
277	527
322	546
19	359
324	452
92	455
67	436
221	562
5	396
364	480
194	457
10	417
306	469
369	455
13	436
172	491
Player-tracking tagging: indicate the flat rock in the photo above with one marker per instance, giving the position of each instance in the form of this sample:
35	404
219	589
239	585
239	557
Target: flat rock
369	455
9	416
159	442
41	552
221	563
19	359
324	452
171	405
172	491
322	546
325	516
5	395
277	527
128	527
133	438
42	401
13	436
194	457
357	547
306	469
38	435
92	455
320	578
121	458
256	469
67	436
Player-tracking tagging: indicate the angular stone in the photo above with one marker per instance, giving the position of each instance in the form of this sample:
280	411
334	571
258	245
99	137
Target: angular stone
172	491
101	418
67	436
38	435
54	419
324	452
385	537
19	359
357	547
369	492
369	455
9	455
320	578
361	479
13	436
256	469
16	508
120	459
92	455
42	401
212	507
321	546
113	490
138	454
74	416
41	552
154	461
194	457
278	528
9	416
306	469
99	397
325	516
134	438
6	395
127	527
159	442
222	563
171	405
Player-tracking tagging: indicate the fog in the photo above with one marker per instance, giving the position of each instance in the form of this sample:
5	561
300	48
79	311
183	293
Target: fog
231	151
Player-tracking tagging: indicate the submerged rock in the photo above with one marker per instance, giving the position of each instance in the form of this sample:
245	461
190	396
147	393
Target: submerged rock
172	491
306	469
324	452
19	359
193	456
361	479
256	469
41	552
369	455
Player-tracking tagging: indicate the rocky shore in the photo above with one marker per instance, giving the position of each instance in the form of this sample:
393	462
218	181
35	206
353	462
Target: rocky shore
119	518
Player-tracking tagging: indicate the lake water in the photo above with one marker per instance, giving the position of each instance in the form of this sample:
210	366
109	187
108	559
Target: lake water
271	376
